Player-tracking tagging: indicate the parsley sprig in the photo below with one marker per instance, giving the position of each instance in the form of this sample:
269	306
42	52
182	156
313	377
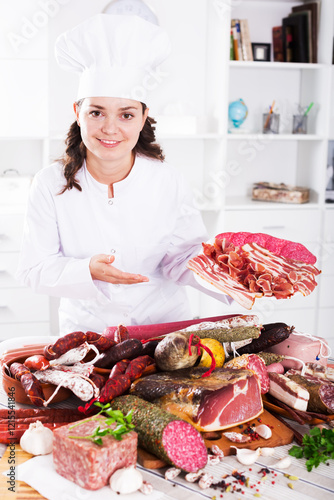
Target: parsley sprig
317	447
123	425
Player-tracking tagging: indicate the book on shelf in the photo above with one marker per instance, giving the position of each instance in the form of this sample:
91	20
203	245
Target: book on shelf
231	46
246	46
235	27
308	32
313	8
278	52
295	38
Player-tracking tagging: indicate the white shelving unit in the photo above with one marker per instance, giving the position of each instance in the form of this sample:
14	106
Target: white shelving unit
197	81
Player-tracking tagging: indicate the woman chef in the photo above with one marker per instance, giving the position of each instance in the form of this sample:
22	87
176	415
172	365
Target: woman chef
110	228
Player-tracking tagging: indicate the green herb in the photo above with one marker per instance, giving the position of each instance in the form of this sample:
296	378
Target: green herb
123	425
317	447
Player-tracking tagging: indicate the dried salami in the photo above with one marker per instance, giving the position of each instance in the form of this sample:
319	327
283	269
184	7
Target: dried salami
168	437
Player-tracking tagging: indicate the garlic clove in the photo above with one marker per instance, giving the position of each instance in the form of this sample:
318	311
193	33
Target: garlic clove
283	463
246	456
37	439
126	480
264	431
267	452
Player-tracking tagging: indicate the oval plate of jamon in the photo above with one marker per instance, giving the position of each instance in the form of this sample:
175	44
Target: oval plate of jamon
247	266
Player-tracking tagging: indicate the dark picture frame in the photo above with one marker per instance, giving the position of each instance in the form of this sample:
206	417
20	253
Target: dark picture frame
261	51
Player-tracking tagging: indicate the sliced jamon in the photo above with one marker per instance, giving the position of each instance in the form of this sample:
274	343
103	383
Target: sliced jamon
251	270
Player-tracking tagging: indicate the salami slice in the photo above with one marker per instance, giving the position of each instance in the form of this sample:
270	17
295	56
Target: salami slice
168	437
278	246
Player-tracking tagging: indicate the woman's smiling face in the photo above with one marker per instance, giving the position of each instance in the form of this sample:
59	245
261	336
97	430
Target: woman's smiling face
110	126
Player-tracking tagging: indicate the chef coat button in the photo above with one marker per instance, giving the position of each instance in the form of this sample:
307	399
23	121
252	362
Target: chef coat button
110	201
112	250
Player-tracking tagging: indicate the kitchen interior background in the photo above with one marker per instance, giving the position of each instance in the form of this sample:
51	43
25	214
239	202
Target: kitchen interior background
192	91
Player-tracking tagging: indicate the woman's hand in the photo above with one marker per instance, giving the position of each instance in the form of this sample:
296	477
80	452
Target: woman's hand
101	269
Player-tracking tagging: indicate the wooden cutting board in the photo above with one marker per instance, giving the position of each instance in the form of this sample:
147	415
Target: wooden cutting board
280	435
22	490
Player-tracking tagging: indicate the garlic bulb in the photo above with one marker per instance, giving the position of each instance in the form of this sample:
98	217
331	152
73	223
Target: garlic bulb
284	463
246	456
126	480
37	440
264	431
267	452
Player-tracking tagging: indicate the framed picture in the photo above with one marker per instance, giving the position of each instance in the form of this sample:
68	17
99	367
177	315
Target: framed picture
261	51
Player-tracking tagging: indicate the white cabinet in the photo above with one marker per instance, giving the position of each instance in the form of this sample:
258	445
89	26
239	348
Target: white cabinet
22	312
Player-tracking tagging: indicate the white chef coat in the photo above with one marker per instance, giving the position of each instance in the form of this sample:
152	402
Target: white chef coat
150	225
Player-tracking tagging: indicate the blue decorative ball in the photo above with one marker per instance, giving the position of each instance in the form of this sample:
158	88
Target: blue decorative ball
237	112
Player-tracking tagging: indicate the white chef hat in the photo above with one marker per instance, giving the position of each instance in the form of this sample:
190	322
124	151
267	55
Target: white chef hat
115	55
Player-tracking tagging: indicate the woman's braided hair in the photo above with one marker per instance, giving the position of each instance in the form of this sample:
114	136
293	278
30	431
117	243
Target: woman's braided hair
75	152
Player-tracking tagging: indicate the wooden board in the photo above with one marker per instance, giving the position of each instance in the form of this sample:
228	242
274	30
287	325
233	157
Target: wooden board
22	490
280	435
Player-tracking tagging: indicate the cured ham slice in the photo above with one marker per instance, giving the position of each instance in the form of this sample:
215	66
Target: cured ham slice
247	266
227	398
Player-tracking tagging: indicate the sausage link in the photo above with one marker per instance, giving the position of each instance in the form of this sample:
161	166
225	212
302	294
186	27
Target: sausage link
128	349
101	342
137	366
98	380
68	342
115	387
37	362
119	368
33	388
17	370
121	334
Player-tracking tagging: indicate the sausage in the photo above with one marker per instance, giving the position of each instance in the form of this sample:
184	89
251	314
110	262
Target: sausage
119	368
271	334
37	362
137	366
80	386
130	348
121	334
68	342
115	387
166	436
98	380
33	388
52	414
101	342
149	347
174	353
17	370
